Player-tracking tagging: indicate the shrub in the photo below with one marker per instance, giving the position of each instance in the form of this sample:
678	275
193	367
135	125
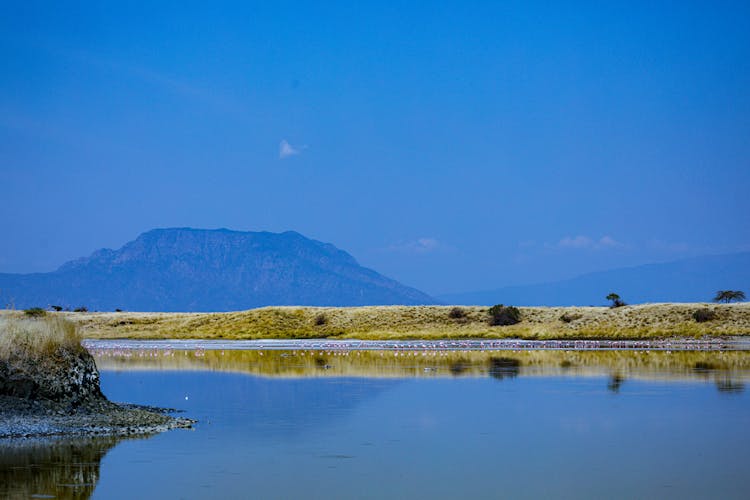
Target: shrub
81	309
569	318
35	312
457	313
703	315
118	310
320	319
56	308
501	315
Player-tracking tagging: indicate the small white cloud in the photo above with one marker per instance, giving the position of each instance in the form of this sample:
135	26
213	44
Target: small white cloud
427	244
286	150
418	246
608	242
575	242
586	243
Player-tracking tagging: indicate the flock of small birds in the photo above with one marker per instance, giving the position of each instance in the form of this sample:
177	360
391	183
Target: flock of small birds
199	346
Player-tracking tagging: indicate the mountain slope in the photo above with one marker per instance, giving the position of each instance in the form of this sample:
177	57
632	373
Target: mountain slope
185	269
689	280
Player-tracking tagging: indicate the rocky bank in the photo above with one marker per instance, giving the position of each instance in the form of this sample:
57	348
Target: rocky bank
59	394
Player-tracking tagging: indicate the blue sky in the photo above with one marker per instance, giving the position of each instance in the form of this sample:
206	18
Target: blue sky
452	145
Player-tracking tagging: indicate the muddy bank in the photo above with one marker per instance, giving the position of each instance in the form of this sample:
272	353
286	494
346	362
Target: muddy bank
33	418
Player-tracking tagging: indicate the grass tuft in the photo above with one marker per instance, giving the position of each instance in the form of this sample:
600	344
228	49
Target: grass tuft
36	338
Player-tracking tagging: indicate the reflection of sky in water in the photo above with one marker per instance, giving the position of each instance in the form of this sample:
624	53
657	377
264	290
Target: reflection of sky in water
475	425
442	438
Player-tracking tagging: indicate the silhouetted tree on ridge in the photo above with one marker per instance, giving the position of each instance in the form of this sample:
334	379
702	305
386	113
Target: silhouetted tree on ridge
728	296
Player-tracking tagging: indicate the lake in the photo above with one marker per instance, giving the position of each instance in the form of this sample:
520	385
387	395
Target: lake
409	422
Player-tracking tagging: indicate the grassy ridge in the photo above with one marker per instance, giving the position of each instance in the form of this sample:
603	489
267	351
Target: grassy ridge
647	321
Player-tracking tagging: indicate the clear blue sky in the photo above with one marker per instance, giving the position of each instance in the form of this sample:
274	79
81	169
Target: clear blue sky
451	145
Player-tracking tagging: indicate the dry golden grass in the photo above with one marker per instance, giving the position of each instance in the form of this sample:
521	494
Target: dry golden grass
647	321
28	339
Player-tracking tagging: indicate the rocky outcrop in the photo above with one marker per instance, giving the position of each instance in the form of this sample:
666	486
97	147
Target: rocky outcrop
58	393
69	376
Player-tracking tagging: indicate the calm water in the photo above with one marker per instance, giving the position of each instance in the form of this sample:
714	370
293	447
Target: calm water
442	425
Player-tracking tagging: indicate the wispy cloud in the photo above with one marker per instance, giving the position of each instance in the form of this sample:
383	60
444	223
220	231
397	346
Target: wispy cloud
182	86
286	150
581	242
419	246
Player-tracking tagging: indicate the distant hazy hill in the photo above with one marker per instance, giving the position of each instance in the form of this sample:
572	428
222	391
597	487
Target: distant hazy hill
209	270
689	280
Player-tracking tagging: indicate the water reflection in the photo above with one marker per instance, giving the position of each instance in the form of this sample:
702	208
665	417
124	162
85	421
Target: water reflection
728	370
615	382
52	467
501	368
343	421
729	386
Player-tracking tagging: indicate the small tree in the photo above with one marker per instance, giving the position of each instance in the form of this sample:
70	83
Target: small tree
728	296
615	299
56	308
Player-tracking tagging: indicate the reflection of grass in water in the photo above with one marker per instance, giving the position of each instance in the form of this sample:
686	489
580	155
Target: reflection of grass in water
502	367
459	366
627	364
422	322
703	366
59	468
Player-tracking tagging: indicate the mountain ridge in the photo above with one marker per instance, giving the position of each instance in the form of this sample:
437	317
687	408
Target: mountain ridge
187	269
694	279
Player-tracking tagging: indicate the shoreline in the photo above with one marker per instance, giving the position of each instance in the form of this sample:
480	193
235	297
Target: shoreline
676	344
23	419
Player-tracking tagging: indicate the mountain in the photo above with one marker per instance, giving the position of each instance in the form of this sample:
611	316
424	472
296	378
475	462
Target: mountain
185	269
690	280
